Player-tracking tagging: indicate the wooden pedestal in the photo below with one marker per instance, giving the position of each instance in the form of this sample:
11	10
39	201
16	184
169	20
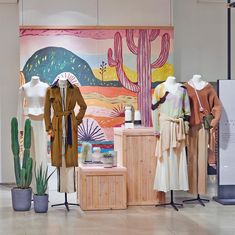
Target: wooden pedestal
101	188
136	151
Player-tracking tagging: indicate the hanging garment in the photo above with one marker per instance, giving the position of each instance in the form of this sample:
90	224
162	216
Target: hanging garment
209	101
65	175
169	114
31	105
54	100
199	137
197	159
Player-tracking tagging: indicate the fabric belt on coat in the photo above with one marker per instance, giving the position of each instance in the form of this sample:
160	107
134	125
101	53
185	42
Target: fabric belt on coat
172	134
68	114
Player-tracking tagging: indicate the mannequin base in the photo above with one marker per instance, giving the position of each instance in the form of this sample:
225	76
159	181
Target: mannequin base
171	203
200	200
66	203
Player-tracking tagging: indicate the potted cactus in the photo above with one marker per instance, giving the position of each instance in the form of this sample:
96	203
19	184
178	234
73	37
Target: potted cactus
22	194
40	199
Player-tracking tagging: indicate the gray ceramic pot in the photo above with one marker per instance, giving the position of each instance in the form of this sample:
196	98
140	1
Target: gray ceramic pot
40	203
21	199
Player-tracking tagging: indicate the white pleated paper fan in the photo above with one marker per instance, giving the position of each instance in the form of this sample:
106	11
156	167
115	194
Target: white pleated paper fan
68	76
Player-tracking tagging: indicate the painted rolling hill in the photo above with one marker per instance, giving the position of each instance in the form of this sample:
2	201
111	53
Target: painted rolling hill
51	61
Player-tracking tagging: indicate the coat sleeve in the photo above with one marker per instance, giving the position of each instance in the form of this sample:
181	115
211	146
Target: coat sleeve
47	111
155	111
187	111
80	101
215	105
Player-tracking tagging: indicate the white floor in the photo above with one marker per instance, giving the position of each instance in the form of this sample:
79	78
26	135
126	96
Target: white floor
193	219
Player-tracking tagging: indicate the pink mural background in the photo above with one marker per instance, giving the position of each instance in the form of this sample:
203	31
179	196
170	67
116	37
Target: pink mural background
114	68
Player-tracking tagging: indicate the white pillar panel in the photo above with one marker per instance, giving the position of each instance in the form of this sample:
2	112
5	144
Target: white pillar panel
9	67
135	12
201	39
95	12
58	13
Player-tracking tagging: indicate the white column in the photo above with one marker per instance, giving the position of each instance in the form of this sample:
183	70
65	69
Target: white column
9	67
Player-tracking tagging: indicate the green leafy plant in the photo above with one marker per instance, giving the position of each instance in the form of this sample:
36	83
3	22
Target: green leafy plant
42	180
23	173
107	155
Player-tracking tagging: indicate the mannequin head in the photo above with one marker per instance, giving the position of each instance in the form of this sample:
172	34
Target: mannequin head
35	79
62	81
171	80
197	78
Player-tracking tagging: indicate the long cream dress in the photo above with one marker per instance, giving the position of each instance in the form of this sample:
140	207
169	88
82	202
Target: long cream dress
170	110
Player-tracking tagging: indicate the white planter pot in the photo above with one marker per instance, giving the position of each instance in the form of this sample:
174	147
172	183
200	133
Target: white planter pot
108	162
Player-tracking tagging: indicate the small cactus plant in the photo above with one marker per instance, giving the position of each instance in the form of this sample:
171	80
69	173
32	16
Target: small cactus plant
23	172
42	180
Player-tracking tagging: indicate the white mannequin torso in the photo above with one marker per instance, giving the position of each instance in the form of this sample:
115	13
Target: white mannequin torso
171	85
197	82
33	93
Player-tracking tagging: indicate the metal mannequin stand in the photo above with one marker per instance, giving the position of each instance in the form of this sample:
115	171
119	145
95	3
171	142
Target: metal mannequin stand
171	203
200	200
66	203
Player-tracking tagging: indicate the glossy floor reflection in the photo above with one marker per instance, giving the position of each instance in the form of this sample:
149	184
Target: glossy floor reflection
214	219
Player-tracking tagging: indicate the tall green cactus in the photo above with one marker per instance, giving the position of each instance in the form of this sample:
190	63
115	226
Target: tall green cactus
23	174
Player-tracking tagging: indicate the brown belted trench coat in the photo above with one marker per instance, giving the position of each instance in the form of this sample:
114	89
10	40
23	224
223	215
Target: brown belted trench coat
54	100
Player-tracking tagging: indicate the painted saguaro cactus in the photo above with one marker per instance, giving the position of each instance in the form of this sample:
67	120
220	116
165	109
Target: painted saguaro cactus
144	65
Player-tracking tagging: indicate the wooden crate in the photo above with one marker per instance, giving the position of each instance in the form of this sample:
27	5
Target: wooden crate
136	151
101	188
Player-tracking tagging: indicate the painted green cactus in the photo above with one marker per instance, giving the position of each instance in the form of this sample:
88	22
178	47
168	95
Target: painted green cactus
23	174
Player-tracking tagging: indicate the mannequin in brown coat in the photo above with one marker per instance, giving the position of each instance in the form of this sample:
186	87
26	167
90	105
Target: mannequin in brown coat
54	124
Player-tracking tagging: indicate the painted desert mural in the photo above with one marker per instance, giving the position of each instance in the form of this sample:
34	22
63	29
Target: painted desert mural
113	68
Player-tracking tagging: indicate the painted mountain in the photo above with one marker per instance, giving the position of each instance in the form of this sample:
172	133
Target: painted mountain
48	62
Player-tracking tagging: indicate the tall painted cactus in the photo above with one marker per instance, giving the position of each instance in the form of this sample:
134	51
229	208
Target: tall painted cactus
23	174
144	65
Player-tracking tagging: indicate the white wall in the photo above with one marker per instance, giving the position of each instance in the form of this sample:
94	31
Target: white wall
200	39
95	12
9	67
200	26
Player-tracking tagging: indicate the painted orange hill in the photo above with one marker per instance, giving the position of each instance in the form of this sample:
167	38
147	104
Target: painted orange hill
107	91
107	122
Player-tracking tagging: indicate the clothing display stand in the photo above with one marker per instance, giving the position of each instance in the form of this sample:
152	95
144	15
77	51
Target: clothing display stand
200	200
66	203
171	203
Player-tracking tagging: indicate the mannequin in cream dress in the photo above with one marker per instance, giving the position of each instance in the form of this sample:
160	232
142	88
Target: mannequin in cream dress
170	105
31	105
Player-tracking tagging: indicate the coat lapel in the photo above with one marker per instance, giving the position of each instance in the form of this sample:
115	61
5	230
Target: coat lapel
58	95
69	96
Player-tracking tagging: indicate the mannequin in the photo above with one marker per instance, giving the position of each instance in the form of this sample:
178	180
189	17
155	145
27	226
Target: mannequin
171	85
66	176
198	135
197	82
170	105
62	96
31	105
